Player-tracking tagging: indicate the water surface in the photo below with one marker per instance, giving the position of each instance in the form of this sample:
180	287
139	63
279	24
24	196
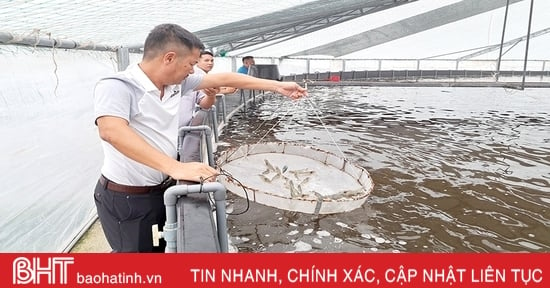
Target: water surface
455	169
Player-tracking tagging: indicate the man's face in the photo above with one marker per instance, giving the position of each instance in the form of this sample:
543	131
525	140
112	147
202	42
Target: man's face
182	64
206	62
249	62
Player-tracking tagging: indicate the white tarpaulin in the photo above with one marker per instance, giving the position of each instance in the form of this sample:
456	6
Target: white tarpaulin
51	154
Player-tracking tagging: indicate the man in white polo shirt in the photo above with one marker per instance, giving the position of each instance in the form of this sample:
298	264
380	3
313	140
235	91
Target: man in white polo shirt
136	114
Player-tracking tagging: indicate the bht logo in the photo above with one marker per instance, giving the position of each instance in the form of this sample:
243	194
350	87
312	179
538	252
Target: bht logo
31	271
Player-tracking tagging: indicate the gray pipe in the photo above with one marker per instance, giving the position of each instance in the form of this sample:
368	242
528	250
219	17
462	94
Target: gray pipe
170	199
208	132
9	38
214	120
223	106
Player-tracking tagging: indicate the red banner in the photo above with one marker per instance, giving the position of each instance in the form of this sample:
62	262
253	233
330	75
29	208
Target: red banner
276	270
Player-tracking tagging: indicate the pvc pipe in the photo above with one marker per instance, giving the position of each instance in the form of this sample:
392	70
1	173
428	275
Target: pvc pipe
171	196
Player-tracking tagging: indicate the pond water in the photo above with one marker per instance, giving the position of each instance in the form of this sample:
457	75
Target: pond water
455	169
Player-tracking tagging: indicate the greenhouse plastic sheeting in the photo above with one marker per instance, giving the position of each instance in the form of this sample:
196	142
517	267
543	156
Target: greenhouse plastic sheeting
51	152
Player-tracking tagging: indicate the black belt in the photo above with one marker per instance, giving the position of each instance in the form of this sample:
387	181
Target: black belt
110	185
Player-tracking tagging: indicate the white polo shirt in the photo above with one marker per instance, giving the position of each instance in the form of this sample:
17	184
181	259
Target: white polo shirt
189	101
132	96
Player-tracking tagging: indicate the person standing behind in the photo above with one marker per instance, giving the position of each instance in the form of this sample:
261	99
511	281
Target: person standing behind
136	113
247	62
193	111
206	64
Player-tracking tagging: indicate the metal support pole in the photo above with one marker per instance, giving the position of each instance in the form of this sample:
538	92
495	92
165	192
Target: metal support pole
222	105
214	120
243	100
123	58
542	70
527	45
502	40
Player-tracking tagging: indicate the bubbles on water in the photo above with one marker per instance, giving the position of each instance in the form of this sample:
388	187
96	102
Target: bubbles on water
241	239
491	245
343	225
529	245
301	246
464	149
323	233
229	208
233	249
379	240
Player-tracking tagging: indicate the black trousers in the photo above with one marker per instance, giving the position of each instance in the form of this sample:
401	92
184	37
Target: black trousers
127	219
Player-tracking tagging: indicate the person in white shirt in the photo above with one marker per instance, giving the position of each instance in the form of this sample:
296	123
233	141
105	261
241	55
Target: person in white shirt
194	109
136	112
206	64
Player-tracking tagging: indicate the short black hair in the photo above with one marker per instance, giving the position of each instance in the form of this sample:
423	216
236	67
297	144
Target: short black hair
247	57
207	53
163	35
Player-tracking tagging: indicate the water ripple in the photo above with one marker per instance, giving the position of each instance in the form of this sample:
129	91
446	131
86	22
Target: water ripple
460	169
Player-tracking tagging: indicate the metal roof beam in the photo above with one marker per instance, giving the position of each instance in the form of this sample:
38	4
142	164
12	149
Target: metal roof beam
290	23
406	27
505	44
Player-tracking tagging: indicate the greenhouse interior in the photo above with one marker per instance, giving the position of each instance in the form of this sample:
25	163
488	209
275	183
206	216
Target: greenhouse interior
444	102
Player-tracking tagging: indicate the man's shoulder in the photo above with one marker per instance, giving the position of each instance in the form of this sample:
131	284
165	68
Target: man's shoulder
191	82
198	71
133	78
119	81
192	78
118	84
